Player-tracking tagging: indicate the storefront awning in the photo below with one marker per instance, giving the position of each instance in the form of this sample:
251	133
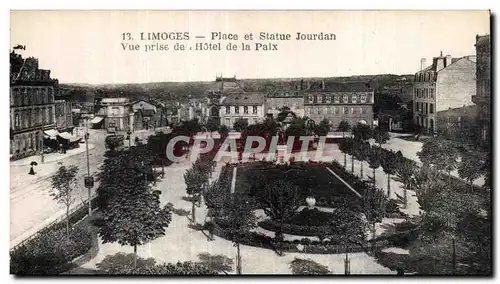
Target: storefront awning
69	137
51	132
96	119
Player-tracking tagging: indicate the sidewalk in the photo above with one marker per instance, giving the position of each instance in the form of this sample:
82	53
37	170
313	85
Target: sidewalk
51	157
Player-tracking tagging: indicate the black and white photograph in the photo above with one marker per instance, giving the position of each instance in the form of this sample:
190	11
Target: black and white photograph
228	142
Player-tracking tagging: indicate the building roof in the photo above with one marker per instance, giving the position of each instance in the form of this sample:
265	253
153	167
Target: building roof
243	99
360	86
433	67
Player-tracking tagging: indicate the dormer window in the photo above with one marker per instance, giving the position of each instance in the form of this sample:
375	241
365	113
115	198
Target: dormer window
345	98
363	98
354	98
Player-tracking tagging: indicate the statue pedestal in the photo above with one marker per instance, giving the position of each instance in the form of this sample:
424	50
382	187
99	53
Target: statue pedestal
281	157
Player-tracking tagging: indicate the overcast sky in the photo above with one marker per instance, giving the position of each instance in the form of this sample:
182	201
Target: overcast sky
86	46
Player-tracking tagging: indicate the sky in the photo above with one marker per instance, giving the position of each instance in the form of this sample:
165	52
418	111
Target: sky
86	46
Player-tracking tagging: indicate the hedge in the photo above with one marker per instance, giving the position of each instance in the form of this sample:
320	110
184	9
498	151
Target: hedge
258	240
311	231
50	253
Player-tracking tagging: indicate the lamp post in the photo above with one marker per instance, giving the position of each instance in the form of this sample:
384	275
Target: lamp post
129	138
347	262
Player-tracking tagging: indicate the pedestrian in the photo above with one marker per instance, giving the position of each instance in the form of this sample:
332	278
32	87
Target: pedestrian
32	171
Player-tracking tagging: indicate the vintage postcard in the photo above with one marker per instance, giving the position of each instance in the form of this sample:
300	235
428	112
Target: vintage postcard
250	142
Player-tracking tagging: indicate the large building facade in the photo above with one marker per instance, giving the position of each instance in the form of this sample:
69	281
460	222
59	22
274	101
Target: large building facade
32	109
63	114
447	84
351	102
482	98
276	101
117	114
244	105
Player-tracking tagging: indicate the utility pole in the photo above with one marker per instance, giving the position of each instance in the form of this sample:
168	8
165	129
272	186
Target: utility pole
347	263
89	180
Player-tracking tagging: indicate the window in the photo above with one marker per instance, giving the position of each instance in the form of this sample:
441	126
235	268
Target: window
319	99
44	97
363	98
353	110
16	120
328	99
311	99
335	111
345	98
245	109
354	98
228	110
296	93
236	109
329	110
432	93
254	109
24	96
362	110
319	110
346	110
431	108
426	108
336	99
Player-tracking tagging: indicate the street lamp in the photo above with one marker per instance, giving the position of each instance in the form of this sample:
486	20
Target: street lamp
89	183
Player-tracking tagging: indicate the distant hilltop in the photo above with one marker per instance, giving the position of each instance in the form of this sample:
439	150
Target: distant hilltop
182	91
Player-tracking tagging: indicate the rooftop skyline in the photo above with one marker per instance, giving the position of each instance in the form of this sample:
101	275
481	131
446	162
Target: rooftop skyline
85	46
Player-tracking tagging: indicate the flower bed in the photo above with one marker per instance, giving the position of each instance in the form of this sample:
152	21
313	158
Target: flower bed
258	240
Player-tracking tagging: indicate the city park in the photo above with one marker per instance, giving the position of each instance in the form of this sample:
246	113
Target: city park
362	209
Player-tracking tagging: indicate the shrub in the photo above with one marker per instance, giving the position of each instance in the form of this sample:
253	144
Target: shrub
122	264
307	267
50	253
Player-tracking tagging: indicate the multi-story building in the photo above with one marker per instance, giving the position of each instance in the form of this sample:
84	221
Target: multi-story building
242	105
482	98
63	114
117	114
352	102
446	84
31	105
276	101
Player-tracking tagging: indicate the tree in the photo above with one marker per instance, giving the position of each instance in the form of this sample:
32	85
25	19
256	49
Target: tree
380	135
427	184
389	164
63	188
361	153
343	127
373	160
374	204
470	167
237	219
280	201
215	197
195	180
323	127
135	218
443	154
212	124
240	124
345	146
348	228
404	174
361	133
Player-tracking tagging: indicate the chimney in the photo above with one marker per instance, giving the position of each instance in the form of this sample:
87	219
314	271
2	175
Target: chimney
422	64
447	61
308	85
322	84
